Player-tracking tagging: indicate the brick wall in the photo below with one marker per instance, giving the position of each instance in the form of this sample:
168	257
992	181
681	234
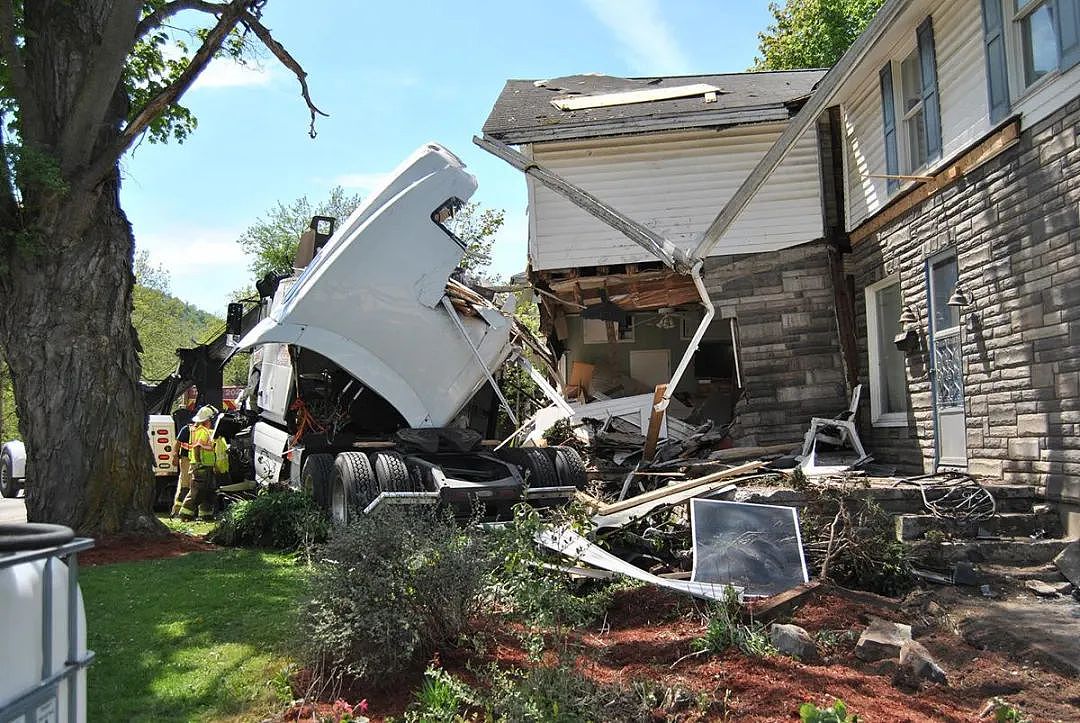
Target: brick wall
1015	226
788	349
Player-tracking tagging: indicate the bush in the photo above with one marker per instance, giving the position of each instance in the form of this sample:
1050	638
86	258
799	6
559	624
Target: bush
838	713
389	589
724	630
281	519
559	693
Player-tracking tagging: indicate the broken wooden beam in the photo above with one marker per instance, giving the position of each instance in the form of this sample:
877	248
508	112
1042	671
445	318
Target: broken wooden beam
681	486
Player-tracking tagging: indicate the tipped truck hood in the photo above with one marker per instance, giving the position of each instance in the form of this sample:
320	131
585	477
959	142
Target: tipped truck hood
370	300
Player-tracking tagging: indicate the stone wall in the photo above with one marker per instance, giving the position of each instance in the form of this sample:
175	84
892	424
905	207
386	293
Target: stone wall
788	351
1014	223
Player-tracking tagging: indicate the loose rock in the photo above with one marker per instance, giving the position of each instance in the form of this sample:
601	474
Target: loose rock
1069	562
1049	589
794	641
917	665
882	639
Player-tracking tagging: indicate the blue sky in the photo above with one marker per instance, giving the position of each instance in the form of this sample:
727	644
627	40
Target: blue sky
392	76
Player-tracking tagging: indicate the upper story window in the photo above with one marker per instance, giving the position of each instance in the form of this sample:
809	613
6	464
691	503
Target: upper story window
911	109
1037	38
1027	40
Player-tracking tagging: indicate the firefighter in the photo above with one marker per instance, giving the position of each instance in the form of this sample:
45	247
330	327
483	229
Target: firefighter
182	419
202	462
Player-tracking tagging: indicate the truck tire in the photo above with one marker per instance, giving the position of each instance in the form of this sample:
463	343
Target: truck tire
352	486
391	472
8	486
535	463
316	477
569	467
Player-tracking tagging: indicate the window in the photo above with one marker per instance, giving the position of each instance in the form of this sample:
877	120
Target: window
888	369
911	105
594	331
911	110
1028	40
1037	39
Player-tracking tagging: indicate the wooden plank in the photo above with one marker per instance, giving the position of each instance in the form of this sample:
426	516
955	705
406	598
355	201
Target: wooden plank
680	486
738	453
656	418
783	603
991	146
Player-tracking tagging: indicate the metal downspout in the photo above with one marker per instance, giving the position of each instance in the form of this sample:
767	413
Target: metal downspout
692	347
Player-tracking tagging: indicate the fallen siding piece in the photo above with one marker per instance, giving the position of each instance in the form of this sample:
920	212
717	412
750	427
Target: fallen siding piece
681	486
629	97
625	517
569	543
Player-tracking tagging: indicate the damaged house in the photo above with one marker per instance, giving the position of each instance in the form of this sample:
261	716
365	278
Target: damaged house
668	152
905	224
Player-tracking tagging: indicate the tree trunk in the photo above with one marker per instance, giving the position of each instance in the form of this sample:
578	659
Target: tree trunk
71	350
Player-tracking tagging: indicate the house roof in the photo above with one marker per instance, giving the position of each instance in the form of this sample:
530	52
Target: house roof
524	113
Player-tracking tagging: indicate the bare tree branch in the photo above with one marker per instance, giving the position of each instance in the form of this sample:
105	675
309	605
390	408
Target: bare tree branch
157	18
20	85
107	160
288	61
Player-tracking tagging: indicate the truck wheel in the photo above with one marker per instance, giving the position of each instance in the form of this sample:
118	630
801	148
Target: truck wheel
315	478
352	486
8	486
391	472
569	467
538	467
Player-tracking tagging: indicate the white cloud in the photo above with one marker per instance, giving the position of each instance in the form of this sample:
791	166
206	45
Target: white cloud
204	264
364	183
226	73
647	41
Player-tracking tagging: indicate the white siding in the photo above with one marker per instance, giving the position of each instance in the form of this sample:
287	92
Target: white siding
675	183
961	69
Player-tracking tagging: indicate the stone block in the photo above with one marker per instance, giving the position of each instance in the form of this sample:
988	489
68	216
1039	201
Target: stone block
882	639
1024	448
1048	589
1068	562
794	641
917	665
1031	425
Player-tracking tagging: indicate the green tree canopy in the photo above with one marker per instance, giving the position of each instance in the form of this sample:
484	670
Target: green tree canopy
272	240
812	33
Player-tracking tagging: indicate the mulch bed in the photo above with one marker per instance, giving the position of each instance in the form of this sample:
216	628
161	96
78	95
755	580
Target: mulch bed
129	548
647	630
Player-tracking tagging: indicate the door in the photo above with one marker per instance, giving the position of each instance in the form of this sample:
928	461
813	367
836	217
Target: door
946	365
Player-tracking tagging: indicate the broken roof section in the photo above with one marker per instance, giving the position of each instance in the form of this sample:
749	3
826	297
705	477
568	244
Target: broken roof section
525	112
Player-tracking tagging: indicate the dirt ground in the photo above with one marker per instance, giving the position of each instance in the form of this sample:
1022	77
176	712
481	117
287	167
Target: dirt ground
648	634
127	548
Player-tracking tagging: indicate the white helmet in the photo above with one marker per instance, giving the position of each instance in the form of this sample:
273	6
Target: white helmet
204	414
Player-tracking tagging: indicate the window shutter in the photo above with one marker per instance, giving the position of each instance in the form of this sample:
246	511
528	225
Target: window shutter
930	98
997	74
1068	32
888	118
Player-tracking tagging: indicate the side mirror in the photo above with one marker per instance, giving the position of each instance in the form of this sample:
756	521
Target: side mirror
234	319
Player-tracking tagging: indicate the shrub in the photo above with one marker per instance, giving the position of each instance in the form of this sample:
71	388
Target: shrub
838	713
442	698
559	693
281	519
389	589
724	630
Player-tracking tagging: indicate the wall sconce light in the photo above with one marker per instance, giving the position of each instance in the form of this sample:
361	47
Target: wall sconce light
959	297
907	339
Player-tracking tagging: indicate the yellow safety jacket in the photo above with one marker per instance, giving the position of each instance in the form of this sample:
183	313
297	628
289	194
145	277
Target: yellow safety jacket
221	454
199	456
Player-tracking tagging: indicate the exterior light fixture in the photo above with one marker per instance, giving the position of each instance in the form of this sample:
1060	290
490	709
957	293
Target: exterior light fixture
959	297
907	339
908	319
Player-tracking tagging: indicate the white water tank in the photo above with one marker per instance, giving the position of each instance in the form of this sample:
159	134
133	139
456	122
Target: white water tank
43	654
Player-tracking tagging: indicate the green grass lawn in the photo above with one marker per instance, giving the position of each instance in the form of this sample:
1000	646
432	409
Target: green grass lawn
194	638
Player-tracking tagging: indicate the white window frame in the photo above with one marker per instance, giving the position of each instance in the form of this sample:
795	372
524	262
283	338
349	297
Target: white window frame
903	139
873	340
588	338
1014	50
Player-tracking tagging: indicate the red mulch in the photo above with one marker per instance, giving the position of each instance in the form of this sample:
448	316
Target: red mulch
647	630
127	548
